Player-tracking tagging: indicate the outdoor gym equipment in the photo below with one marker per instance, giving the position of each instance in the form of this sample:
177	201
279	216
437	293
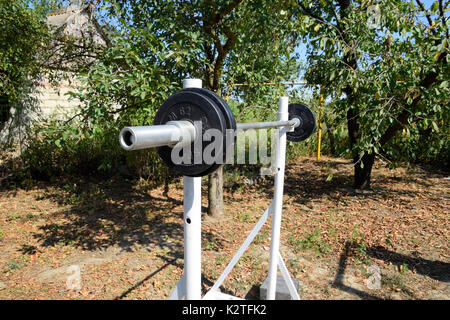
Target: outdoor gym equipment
181	121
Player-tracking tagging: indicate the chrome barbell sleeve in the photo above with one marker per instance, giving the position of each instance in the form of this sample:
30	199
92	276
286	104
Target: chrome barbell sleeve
172	133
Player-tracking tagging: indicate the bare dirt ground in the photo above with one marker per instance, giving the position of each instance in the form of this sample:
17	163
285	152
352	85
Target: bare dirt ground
127	239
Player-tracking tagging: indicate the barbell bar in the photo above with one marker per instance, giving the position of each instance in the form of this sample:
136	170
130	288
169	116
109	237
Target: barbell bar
185	116
179	133
268	125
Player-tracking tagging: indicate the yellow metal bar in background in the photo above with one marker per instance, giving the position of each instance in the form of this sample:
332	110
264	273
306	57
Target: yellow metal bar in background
319	131
270	84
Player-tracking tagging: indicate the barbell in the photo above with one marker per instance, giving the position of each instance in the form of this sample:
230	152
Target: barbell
185	117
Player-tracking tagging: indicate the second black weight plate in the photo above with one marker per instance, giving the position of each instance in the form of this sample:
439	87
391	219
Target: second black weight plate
307	122
196	108
227	113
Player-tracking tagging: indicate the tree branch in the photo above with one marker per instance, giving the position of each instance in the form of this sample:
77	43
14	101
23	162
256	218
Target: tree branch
422	7
224	11
210	26
442	16
222	55
321	20
402	118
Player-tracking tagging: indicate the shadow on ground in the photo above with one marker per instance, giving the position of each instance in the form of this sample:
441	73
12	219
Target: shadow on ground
437	270
206	282
116	214
339	279
321	181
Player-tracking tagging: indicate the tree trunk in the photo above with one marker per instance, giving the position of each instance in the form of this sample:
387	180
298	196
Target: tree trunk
353	128
5	113
362	175
215	179
215	193
332	141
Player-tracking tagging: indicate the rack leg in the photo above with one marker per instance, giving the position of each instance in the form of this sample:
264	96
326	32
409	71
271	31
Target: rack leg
192	202
278	199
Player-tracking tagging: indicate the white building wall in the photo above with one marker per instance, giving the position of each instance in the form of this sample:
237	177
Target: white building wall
55	100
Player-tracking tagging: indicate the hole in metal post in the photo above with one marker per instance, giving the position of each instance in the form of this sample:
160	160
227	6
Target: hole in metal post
188	220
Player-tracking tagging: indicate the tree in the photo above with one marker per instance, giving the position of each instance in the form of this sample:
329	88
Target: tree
22	36
31	50
385	67
162	42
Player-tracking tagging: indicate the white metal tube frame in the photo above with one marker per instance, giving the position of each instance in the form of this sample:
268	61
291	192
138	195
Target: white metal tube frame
192	203
275	207
183	132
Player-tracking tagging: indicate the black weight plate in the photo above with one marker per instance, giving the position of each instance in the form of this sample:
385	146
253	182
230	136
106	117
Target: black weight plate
307	122
190	106
229	116
227	113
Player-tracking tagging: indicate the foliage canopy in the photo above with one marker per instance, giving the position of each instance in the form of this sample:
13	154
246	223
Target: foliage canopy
385	68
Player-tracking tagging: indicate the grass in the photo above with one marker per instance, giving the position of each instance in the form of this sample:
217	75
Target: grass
396	282
210	245
14	216
359	247
261	237
295	266
13	265
312	241
221	260
244	217
404	268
